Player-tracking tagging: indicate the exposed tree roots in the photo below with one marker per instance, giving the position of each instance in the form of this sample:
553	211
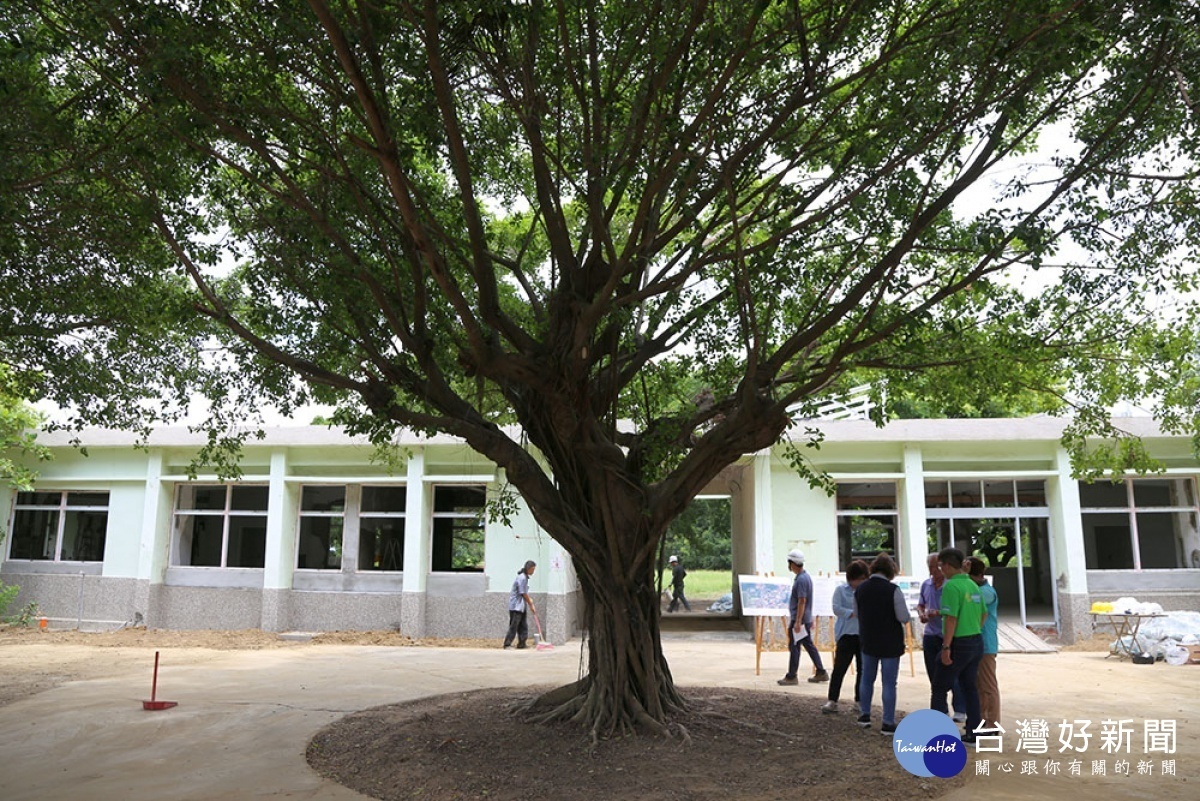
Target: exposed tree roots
603	715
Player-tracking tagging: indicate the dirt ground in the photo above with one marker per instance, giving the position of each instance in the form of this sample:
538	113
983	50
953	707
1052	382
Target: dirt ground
70	666
470	745
744	742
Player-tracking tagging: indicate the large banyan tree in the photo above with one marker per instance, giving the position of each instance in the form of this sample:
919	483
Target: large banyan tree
648	232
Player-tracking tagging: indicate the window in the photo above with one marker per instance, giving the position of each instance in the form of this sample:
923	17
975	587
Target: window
381	528
987	494
221	525
458	527
1140	523
322	521
867	520
59	526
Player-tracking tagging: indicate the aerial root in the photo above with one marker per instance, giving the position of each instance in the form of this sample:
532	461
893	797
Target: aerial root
567	710
748	725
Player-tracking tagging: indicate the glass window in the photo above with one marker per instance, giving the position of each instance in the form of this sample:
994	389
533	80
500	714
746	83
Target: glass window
220	525
391	499
867	520
458	527
201	497
1031	493
249	499
998	494
866	496
323	499
1164	492
381	527
322	521
861	537
965	495
381	544
1103	495
1107	542
466	499
247	542
1120	536
937	495
59	526
1163	538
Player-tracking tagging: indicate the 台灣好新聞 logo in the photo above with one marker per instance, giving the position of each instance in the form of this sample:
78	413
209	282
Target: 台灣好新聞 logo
927	743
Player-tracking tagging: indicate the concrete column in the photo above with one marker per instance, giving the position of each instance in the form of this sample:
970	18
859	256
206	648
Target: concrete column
154	550
417	526
282	509
1066	544
280	563
351	530
911	498
764	532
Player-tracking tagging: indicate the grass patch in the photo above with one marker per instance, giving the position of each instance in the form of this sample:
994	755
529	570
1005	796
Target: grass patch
703	583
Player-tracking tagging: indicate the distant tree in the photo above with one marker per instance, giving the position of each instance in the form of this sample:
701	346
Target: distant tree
19	423
702	535
692	215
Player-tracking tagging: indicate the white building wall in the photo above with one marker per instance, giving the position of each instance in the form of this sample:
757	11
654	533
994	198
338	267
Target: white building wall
775	510
804	517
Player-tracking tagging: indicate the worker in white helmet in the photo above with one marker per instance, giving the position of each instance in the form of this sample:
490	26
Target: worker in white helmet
677	576
800	608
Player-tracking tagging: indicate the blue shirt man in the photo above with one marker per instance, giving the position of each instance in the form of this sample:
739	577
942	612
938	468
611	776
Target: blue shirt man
800	609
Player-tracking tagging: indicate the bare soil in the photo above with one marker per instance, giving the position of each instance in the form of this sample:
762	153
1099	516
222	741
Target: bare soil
744	744
739	743
55	671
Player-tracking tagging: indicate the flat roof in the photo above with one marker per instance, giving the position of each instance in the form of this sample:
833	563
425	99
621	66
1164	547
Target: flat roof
1040	428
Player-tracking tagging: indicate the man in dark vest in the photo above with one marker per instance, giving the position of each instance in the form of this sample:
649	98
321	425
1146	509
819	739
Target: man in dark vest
882	613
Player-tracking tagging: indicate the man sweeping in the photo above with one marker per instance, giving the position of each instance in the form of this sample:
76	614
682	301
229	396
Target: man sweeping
518	603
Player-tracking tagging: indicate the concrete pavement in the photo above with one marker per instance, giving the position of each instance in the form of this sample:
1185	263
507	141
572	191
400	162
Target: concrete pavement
245	717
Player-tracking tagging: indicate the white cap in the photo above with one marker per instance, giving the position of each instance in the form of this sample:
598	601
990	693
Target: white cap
796	555
673	558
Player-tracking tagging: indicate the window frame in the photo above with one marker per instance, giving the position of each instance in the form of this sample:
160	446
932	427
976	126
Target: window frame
435	515
225	514
302	514
61	510
1131	510
892	513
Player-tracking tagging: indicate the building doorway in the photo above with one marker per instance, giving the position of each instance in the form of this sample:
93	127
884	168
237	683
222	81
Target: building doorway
1007	523
702	538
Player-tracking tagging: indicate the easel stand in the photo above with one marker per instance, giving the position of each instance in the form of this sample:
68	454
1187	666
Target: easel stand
768	632
910	647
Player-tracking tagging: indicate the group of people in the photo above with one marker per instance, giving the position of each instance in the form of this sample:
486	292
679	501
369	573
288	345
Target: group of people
960	641
958	607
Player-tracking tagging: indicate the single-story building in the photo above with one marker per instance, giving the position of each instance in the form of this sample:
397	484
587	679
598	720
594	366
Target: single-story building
319	533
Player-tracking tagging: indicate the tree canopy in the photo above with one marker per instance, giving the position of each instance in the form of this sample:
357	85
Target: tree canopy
649	233
19	424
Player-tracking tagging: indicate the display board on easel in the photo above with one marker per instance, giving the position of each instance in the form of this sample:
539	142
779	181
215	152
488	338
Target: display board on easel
765	598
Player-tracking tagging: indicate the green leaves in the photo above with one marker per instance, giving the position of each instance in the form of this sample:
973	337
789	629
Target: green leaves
18	435
566	215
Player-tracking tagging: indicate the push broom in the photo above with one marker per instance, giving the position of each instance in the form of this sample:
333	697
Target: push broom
542	645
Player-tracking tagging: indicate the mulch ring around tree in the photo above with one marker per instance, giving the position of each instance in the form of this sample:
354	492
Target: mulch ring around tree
753	746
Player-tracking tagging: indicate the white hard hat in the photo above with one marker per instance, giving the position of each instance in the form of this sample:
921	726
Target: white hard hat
673	558
796	556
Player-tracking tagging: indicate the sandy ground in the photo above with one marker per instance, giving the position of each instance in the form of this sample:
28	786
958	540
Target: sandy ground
251	703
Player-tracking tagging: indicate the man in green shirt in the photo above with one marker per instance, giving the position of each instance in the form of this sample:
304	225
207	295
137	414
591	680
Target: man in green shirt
962	644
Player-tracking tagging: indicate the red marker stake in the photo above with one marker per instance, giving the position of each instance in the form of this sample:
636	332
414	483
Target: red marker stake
153	704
